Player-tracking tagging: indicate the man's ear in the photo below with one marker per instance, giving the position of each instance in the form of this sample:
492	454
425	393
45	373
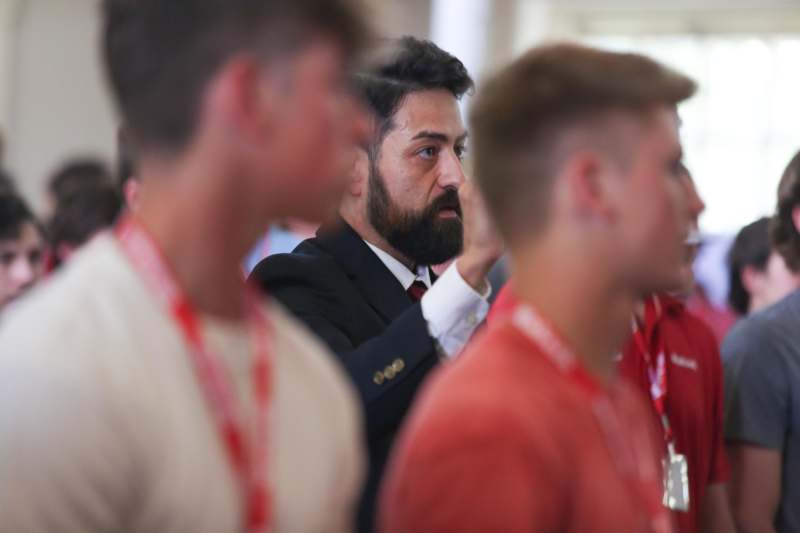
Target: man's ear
796	218
588	188
244	93
132	193
358	178
752	279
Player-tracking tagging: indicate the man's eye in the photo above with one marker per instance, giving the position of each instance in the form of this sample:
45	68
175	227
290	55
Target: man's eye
35	257
677	168
428	152
461	151
6	258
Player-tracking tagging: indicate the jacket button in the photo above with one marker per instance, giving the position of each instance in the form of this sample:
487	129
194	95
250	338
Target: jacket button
378	378
398	365
389	372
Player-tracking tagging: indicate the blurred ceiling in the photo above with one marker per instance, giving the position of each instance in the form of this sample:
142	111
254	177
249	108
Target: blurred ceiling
683	5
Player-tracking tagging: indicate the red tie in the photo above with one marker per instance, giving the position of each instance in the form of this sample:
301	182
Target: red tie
416	290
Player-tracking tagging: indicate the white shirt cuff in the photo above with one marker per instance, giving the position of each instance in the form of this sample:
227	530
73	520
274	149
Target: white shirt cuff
453	310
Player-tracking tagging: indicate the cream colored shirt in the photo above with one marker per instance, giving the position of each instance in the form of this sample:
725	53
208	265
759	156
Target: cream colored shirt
103	426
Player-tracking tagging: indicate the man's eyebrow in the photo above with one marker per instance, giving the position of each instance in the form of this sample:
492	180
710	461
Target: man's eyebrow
438	136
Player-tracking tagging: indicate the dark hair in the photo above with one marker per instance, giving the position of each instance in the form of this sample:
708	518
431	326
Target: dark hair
7	183
520	117
750	248
413	65
160	55
14	214
785	236
83	213
78	174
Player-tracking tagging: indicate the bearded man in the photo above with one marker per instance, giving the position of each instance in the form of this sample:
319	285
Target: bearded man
364	284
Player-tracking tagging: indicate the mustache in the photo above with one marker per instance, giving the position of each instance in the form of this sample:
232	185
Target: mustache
447	200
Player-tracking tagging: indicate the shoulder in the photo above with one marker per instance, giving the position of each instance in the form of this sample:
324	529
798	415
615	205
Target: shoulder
62	348
701	343
76	306
768	332
499	381
485	425
759	348
309	366
307	264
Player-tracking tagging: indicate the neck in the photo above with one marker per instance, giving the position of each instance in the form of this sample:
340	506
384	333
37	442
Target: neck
193	217
589	312
366	231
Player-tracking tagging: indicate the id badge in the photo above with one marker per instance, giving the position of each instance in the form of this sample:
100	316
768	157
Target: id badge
676	480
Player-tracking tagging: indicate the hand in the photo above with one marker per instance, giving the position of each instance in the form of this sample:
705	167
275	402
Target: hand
482	244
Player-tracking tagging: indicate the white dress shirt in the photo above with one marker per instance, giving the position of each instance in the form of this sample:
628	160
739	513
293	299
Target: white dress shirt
451	307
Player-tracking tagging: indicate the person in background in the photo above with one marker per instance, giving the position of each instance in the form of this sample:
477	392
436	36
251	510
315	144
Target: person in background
578	156
364	284
22	249
673	359
762	377
759	276
80	216
145	387
75	175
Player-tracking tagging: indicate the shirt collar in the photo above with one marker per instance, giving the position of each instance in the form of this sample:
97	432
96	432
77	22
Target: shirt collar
405	276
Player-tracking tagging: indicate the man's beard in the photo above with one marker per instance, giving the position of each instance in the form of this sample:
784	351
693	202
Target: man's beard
422	236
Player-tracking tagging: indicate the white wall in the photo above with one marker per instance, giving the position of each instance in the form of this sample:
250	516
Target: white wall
53	100
395	18
57	102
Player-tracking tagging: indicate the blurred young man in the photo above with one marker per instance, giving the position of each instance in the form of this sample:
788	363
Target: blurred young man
365	285
762	377
145	389
22	248
577	153
673	358
80	216
74	176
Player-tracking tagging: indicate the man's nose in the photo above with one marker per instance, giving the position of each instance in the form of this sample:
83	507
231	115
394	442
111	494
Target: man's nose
451	171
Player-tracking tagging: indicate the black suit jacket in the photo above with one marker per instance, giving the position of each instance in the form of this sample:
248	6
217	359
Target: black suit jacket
346	295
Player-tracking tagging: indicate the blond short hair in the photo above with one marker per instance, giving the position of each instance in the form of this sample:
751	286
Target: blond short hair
521	114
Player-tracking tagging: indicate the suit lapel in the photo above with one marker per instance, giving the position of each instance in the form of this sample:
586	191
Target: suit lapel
379	287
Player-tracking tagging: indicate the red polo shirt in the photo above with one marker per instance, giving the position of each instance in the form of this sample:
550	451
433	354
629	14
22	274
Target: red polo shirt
694	395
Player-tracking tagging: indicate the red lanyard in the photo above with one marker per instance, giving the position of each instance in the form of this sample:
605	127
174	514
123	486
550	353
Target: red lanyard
247	456
629	463
656	368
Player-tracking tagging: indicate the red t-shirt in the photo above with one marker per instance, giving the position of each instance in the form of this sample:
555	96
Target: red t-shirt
694	394
502	441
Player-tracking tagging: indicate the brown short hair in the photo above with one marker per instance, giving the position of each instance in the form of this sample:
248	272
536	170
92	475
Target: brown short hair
160	56
783	233
521	115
